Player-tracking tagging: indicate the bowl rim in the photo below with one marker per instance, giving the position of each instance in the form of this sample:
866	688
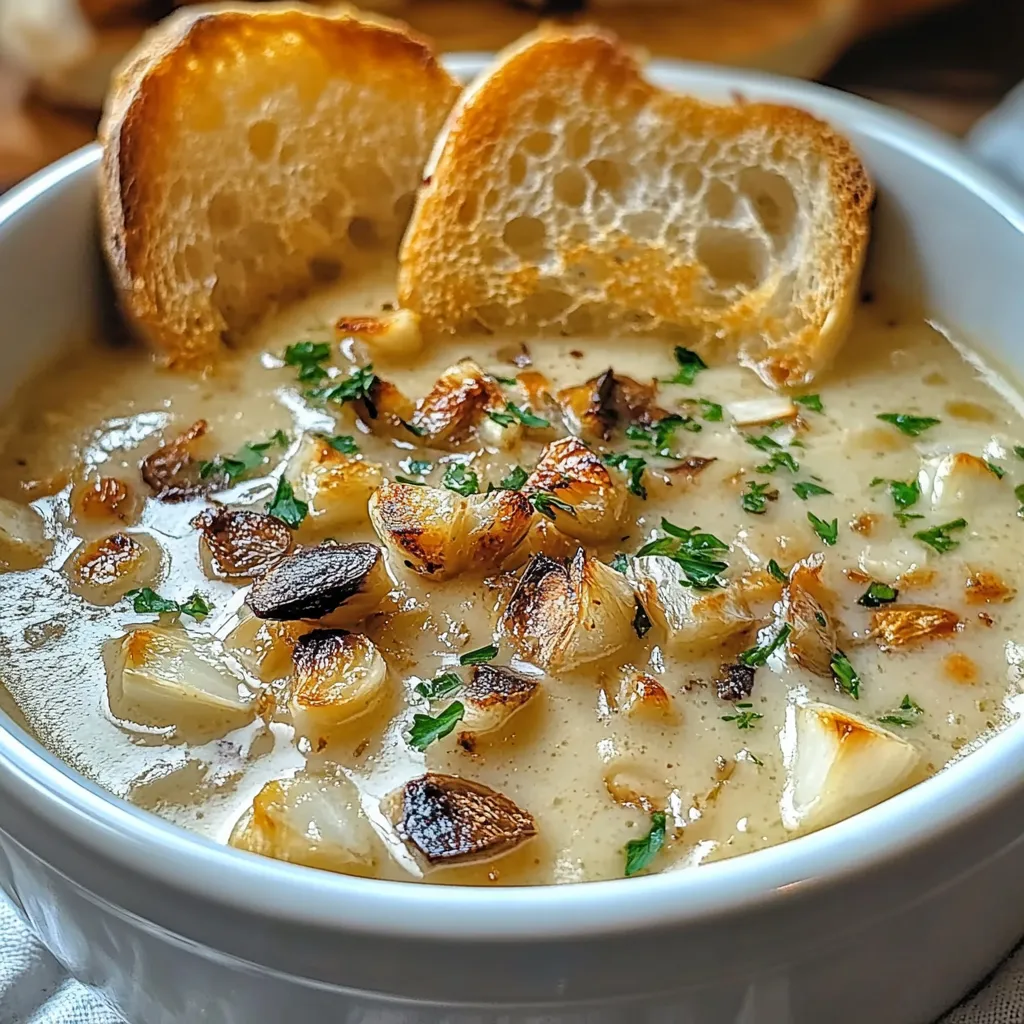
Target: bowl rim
174	858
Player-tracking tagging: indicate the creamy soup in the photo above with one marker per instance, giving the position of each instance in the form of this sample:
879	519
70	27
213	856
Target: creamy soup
782	612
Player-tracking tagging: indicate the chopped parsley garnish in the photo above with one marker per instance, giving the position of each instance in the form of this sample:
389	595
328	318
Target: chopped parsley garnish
285	506
428	728
997	470
711	411
508	382
1018	493
249	457
344	443
912	426
1018	450
641	621
904	517
756	497
690	364
806	489
503	419
764	443
759	655
545	504
307	356
461	480
480	656
845	675
439	686
634	465
357	386
938	537
878	594
515	480
527	418
620	563
828	532
691	551
904	494
400	479
745	719
779	460
417	467
905	715
812	402
657	436
775	570
640	853
147	601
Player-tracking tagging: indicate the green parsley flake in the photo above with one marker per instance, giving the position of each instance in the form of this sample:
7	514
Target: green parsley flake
305	352
812	402
480	656
657	437
775	570
759	655
507	382
439	686
461	480
912	426
503	419
779	460
634	466
845	675
906	715
546	503
828	532
358	386
285	506
756	497
692	551
938	537
640	853
249	457
620	563
147	601
690	364
344	443
806	489
641	620
527	418
711	411
878	594
400	479
998	471
764	443
428	728
417	467
1018	450
745	719
515	480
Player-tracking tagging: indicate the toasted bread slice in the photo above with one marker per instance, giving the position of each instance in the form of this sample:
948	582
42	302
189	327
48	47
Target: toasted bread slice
250	151
566	193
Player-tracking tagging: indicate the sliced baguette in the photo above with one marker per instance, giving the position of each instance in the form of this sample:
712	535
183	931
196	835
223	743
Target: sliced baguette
252	150
566	193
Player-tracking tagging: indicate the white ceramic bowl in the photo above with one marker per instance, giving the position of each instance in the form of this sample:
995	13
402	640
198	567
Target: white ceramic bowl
887	917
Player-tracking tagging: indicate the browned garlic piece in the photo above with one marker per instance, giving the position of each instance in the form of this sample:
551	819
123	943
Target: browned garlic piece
393	335
104	570
960	483
331	584
807	608
335	486
493	697
338	676
688	617
172	471
314	820
569	471
641	696
898	625
239	545
105	498
838	764
593	409
171	677
23	540
446	820
438	533
265	647
563	616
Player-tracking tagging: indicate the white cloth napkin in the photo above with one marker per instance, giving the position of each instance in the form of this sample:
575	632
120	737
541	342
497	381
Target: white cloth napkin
35	990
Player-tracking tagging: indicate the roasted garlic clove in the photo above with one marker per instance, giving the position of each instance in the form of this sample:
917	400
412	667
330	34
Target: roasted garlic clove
889	561
593	409
688	617
446	820
236	544
335	486
898	625
457	406
438	533
563	616
314	820
958	483
385	409
170	677
105	499
542	538
838	764
493	697
264	647
769	409
332	584
23	540
172	471
103	571
641	696
394	335
570	472
338	676
807	608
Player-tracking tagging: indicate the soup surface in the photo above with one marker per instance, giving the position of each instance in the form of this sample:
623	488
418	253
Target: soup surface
870	565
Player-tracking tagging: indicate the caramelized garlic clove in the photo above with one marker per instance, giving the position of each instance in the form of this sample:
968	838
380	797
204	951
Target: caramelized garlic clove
338	676
23	540
576	476
393	335
237	544
493	696
959	484
313	820
105	499
447	820
332	584
103	571
264	647
807	608
838	764
900	625
170	677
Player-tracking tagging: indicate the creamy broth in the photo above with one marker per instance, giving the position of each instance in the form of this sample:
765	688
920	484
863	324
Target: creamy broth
102	410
